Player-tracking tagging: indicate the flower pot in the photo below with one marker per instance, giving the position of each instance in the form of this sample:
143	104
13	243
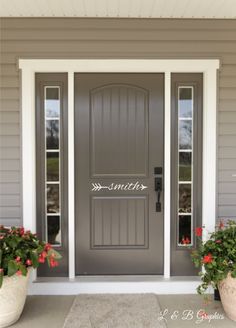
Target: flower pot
227	289
12	298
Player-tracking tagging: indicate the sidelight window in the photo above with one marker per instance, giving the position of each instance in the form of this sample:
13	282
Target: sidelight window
186	166
52	164
185	163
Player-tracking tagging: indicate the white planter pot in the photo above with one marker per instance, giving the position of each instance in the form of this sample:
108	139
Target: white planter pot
227	289
12	299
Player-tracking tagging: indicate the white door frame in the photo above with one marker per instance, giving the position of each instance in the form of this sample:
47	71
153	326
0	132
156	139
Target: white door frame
206	66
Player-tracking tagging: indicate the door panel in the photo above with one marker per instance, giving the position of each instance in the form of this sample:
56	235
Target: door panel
119	222
119	131
118	142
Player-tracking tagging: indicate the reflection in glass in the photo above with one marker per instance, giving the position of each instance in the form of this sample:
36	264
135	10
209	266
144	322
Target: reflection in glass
52	102
54	233
52	108
185	183
185	198
52	93
52	163
185	134
185	166
53	198
52	166
52	130
185	229
185	102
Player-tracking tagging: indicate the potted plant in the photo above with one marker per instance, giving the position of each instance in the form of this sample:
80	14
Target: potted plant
217	256
20	251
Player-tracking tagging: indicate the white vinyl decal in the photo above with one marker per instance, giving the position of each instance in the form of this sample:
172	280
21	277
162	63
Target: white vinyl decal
137	186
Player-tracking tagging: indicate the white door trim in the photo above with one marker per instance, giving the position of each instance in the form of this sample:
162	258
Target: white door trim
206	66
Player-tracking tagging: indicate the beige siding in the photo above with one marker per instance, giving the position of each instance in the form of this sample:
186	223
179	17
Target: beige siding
113	38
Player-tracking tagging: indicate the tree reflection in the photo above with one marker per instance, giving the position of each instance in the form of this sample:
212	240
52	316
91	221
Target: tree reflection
52	127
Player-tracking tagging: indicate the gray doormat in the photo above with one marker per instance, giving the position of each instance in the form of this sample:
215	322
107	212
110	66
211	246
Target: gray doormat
115	311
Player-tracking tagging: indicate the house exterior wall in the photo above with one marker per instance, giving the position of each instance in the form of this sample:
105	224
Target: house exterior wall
113	38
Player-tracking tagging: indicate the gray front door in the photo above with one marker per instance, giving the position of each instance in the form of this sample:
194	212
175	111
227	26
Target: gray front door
119	125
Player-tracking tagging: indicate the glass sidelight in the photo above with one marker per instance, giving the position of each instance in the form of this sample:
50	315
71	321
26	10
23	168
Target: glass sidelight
51	165
185	158
186	168
52	160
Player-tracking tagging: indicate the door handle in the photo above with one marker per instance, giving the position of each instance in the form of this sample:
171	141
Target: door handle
158	189
158	184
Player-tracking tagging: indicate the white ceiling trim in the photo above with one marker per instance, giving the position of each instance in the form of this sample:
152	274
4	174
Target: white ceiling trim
120	8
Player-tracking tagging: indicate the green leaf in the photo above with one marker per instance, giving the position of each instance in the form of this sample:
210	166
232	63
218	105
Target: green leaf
233	274
57	255
23	269
13	243
34	259
12	268
48	261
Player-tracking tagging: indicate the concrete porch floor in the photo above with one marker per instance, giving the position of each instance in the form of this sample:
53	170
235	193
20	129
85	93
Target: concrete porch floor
51	311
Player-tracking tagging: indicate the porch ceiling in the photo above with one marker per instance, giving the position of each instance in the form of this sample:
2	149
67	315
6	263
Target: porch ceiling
119	8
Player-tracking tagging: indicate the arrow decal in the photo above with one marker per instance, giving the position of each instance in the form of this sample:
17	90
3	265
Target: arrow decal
137	186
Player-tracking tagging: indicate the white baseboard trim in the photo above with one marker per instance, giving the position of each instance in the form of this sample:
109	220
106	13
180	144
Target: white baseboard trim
119	284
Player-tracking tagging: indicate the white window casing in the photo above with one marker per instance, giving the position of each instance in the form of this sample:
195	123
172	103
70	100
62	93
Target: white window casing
206	66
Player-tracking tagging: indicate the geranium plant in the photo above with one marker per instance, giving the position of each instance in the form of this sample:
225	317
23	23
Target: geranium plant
21	250
217	255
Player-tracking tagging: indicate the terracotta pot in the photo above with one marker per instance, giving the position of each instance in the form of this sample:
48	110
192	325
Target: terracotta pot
12	298
227	289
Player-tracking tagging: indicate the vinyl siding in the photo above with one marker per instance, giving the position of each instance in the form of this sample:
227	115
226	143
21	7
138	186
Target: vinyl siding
113	38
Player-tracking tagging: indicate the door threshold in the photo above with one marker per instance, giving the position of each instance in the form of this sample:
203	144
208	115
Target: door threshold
114	284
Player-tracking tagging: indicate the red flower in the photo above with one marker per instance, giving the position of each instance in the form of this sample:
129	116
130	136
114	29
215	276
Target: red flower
19	273
185	241
1	270
18	259
218	241
221	225
28	262
198	231
22	231
44	254
41	259
53	263
207	258
47	247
